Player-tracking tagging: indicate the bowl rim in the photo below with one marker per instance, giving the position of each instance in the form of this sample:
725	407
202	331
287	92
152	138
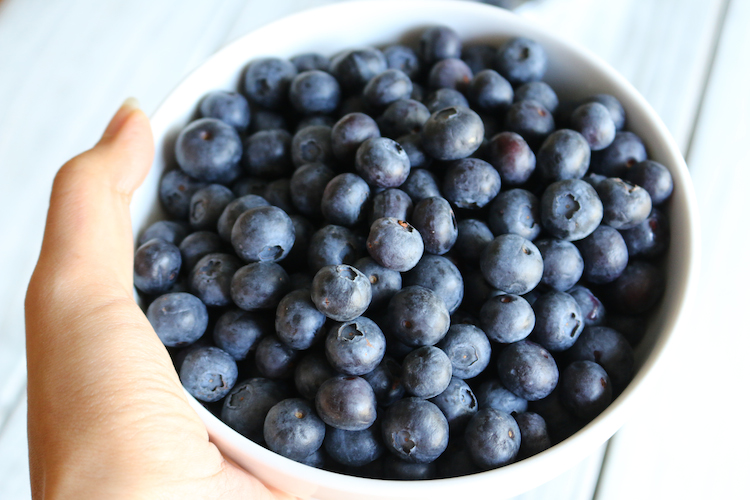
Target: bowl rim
604	425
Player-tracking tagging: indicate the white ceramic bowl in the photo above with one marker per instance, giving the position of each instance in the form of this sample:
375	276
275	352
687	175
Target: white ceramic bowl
573	72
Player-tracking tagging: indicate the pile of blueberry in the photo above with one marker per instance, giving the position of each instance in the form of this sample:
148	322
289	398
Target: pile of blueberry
396	263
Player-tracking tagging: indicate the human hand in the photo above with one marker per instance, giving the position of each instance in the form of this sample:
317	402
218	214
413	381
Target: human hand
107	414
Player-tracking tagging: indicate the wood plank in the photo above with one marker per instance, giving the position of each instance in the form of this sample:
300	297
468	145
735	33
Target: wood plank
691	440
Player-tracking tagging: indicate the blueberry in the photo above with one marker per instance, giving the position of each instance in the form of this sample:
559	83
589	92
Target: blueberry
426	372
625	205
382	162
512	157
175	190
311	371
418	92
391	203
208	373
354	68
452	133
415	430
312	145
389	86
341	292
259	285
605	255
306	188
405	116
384	282
592	308
169	231
233	210
412	144
249	185
471	183
331	245
570	209
313	92
563	264
585	389
394	468
534	436
479	57
178	319
539	92
267	82
156	266
421	184
264	119
492	438
490	92
207	204
310	61
626	150
559	321
565	154
274	359
315	121
473	236
300	281
347	403
468	349
344	199
385	380
394	244
436	222
230	107
445	98
608	348
278	193
493	394
439	42
268	154
521	60
238	332
293	430
197	245
458	404
208	149
530	120
263	234
211	278
650	238
246	407
614	107
316	459
402	58
512	264
355	347
507	318
654	178
633	328
515	212
528	370
440	275
451	73
637	289
417	316
349	132
298	323
595	124
354	448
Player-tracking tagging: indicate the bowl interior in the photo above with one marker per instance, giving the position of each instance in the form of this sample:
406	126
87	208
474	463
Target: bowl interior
573	72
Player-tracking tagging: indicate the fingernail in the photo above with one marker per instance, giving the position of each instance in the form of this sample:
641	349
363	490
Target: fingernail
126	109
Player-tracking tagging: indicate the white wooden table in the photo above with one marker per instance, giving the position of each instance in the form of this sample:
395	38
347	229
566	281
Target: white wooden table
65	66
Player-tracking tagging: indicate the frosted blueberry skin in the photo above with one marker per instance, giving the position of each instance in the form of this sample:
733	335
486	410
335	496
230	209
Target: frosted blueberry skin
278	195
238	332
298	323
625	205
512	264
179	319
331	245
415	430
592	309
436	222
267	81
605	255
211	278
473	236
563	264
312	144
437	43
452	133
530	120
310	61
412	144
385	380
230	107
259	285
490	92
354	448
197	245
264	119
341	292
310	373
246	406
637	289
233	211
405	116
595	124
387	87
402	58
515	211
571	209
314	92
585	389
349	133
394	244
355	347
507	318
493	394
450	73
170	231
418	316
156	266
440	275
511	155
347	403
608	348
384	282
616	111
382	162
175	190
626	150
445	98
344	199
393	203
307	186
539	92
528	370
421	184
208	373
559	321
292	429
263	234
650	238
492	438
315	121
534	436
274	359
471	183
521	60
468	350
426	372
208	150
268	154
565	154
354	68
394	468
458	403
479	57
654	178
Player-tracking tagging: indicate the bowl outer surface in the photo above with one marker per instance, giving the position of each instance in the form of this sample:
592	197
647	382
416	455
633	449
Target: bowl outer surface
574	73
